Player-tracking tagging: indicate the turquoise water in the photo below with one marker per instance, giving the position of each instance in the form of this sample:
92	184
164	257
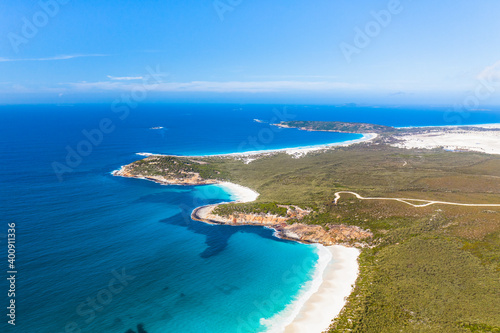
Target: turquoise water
97	253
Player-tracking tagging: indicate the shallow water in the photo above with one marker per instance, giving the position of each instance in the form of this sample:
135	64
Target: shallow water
99	253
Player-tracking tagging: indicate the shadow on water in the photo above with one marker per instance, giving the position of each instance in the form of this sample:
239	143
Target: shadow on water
140	329
178	196
217	236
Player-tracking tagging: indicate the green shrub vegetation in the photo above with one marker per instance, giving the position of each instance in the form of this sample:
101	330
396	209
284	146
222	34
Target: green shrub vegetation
339	126
176	167
251	208
431	269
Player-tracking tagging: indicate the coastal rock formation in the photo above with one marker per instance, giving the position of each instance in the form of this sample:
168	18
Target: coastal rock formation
336	234
306	233
293	212
175	171
186	178
263	219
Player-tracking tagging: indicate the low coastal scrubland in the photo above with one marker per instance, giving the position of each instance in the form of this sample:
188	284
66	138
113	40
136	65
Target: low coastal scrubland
424	269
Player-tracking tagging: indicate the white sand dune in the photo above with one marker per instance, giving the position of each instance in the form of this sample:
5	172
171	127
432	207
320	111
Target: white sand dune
455	139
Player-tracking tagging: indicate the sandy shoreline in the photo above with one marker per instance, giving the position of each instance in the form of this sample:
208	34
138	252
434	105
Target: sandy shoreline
325	295
296	151
326	302
336	271
239	193
366	137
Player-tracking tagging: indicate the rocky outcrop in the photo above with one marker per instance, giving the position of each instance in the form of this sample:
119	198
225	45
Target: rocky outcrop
336	234
293	212
306	233
188	178
260	219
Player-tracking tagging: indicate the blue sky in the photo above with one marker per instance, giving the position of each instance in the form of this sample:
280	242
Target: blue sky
334	51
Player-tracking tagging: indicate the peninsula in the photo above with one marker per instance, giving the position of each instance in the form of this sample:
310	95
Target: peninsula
426	220
336	126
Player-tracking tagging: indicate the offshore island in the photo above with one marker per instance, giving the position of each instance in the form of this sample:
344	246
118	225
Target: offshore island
414	214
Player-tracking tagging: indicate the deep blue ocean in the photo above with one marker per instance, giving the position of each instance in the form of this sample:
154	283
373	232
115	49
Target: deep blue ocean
97	253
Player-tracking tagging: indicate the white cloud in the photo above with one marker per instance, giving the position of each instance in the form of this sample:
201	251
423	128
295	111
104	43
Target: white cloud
58	57
220	87
322	77
491	73
125	78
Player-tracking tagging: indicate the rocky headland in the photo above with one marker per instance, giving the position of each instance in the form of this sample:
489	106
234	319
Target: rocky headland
182	178
287	227
336	126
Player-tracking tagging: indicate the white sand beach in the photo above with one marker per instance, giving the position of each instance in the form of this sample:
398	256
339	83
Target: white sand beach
338	278
336	272
297	152
239	193
302	151
325	296
455	139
